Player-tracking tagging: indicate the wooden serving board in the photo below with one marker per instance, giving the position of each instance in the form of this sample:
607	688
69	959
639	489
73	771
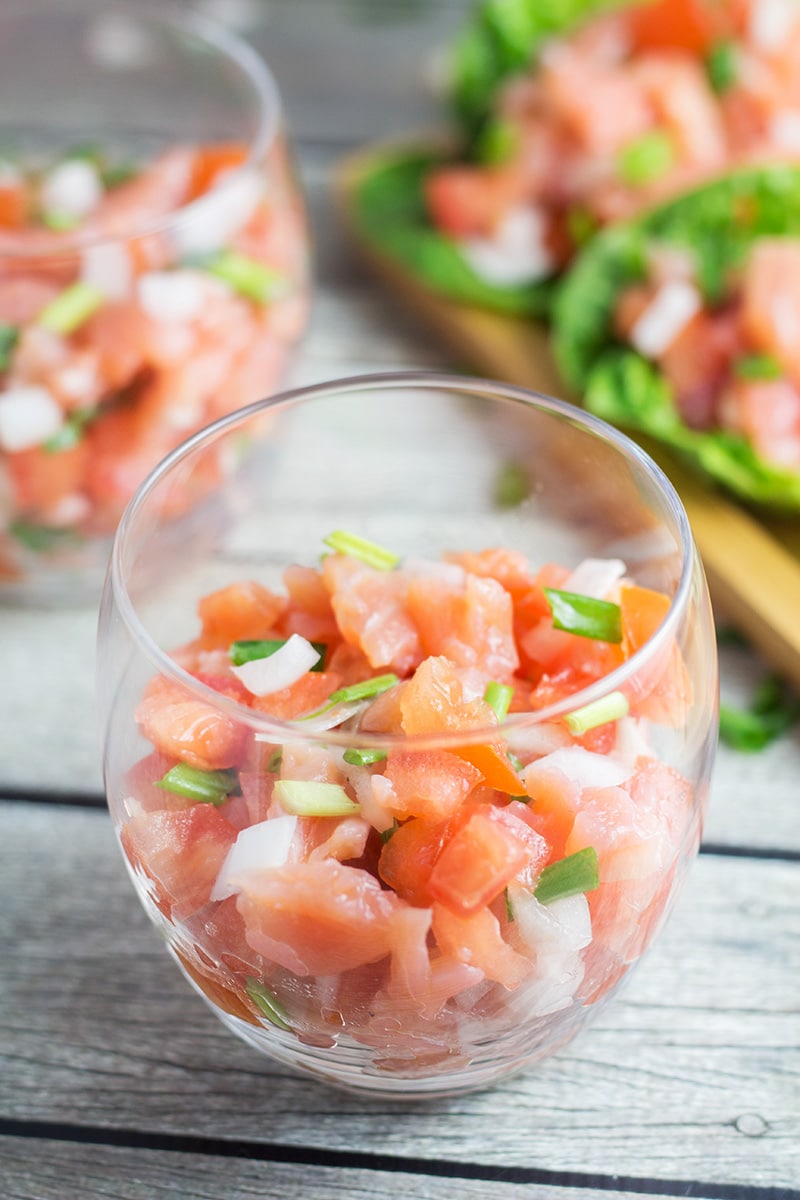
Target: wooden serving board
752	564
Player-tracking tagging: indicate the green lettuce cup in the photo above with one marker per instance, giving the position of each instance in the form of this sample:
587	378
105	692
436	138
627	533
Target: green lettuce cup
679	325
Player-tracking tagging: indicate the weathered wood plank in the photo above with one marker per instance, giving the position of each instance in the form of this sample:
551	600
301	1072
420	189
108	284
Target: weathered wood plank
51	1170
695	1069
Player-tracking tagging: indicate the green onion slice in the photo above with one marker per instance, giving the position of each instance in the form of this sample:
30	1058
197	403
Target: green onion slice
268	1004
722	66
60	222
608	708
9	336
512	486
499	696
252	279
71	308
646	159
758	366
363	758
387	833
367	552
311	798
204	787
42	539
584	615
275	760
71	431
249	650
355	692
570	876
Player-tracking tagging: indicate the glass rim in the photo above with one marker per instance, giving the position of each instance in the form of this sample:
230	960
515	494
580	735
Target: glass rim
266	100
273	730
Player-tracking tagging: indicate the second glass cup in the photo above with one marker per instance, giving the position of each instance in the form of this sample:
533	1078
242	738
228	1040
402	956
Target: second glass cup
408	724
154	265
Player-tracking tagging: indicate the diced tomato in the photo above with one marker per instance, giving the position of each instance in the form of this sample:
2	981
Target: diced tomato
429	783
476	939
239	612
40	479
469	201
691	25
210	162
408	857
13	205
493	765
477	863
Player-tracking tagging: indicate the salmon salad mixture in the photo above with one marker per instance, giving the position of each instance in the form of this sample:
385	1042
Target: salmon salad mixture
138	302
338	878
638	104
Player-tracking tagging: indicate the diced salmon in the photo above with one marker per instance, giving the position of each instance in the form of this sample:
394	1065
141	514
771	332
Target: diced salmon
318	918
476	940
239	612
307	694
471	624
41	478
188	729
309	611
370	608
771	300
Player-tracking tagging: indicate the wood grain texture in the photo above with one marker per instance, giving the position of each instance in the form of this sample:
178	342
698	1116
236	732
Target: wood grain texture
695	1069
39	1172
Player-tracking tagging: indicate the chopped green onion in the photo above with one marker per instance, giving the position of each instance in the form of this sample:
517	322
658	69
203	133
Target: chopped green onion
509	906
205	787
43	538
250	650
512	486
646	159
71	431
367	552
585	616
268	1004
118	173
569	876
758	366
311	798
497	143
517	764
599	712
71	308
252	279
60	222
9	336
363	758
581	225
499	696
387	833
773	710
275	760
722	66
364	690
356	691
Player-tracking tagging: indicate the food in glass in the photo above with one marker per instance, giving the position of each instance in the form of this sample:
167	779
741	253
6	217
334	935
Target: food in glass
153	268
408	816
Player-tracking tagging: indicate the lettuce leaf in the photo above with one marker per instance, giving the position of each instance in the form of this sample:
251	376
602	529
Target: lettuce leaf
501	40
391	214
717	224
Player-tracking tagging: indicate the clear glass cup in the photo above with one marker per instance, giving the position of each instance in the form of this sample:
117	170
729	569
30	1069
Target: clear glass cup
332	942
154	265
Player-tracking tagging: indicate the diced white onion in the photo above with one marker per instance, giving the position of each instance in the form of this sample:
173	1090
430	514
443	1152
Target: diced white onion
107	267
538	740
260	847
29	415
784	129
631	741
551	929
517	253
583	767
171	295
670	310
333	717
771	22
280	670
72	189
69	510
215	219
595	577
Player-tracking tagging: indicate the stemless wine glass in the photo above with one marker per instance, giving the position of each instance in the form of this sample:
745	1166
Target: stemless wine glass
153	265
373	871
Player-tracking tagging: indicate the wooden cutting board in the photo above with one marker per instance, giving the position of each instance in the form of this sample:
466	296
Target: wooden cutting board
752	564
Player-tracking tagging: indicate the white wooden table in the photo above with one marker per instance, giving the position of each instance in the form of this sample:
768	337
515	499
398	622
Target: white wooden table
115	1081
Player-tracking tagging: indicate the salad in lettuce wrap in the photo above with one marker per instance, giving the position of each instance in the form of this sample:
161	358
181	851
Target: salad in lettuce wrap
685	325
574	116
